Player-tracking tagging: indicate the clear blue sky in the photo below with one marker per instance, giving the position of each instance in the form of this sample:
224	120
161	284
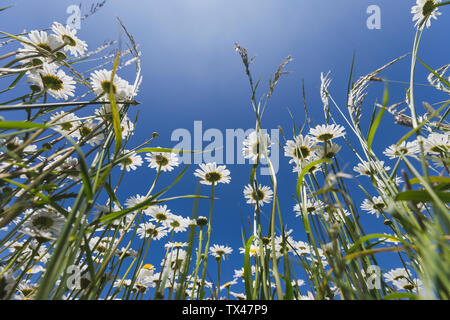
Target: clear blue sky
191	72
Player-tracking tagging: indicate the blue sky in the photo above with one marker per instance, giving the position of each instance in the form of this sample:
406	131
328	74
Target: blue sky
191	72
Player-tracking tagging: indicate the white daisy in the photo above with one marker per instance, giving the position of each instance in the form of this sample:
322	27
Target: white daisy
327	132
220	251
55	82
46	220
212	173
86	128
145	279
67	122
302	164
177	223
302	148
297	283
410	285
374	206
239	296
175	259
67	36
437	143
38	39
253	251
405	149
126	252
159	213
101	83
167	161
228	284
329	152
101	245
425	9
134	200
148	229
301	247
131	162
263	194
255	146
370	168
312	207
7	280
175	245
396	274
127	127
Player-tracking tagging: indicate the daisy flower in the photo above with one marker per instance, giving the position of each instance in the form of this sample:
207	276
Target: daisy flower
85	130
239	296
254	250
7	280
175	259
261	195
374	206
101	83
327	132
148	229
330	152
370	168
26	289
228	284
67	122
147	271
301	148
55	82
39	39
300	165
144	279
201	221
164	161
405	149
396	274
425	9
131	162
212	173
175	245
255	146
159	213
101	245
126	252
301	247
67	36
437	143
69	166
312	207
297	283
410	285
177	223
47	220
127	127
220	251
134	200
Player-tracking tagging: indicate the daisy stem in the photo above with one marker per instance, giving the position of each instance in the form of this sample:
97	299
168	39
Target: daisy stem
441	4
197	263
154	182
219	260
208	236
